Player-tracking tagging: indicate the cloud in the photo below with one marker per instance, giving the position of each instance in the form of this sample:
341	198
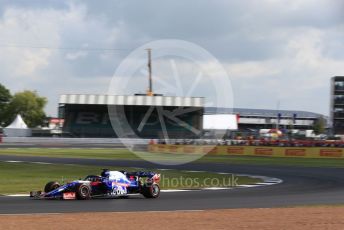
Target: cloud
272	49
76	55
299	78
40	51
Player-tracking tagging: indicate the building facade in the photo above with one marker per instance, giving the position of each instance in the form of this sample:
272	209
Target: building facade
136	116
337	105
255	119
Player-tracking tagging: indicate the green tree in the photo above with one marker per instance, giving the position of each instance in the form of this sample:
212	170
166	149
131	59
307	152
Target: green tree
5	98
319	126
28	104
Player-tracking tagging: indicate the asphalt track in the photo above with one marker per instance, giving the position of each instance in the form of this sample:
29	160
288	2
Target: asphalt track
301	186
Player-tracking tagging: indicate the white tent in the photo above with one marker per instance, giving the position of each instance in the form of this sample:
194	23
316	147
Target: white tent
17	128
220	121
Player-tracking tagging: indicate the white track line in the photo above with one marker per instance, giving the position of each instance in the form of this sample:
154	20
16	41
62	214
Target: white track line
179	190
265	183
217	188
248	186
17	195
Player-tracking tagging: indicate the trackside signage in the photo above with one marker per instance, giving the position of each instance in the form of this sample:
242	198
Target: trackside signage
295	152
173	148
189	149
263	151
331	152
306	152
235	150
210	150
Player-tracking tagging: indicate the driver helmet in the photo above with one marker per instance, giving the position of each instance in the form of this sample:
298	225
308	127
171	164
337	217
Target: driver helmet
105	173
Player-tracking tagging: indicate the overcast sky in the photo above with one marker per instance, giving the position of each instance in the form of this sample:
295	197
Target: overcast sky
272	50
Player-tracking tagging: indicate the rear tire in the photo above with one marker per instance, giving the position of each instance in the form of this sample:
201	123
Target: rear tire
50	186
83	192
152	191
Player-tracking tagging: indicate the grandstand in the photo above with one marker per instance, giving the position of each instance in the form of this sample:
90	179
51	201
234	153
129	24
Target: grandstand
88	116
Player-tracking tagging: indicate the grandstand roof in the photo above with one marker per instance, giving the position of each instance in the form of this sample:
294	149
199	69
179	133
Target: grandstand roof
262	112
139	100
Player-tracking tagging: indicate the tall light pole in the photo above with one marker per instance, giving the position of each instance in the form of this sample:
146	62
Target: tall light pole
150	85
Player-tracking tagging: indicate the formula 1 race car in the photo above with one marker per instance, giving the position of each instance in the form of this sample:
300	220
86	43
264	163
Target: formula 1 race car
108	184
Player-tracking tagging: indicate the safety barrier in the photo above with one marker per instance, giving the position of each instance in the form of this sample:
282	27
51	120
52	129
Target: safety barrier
72	140
303	152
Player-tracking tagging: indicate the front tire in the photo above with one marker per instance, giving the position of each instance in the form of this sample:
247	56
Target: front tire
50	186
83	192
152	191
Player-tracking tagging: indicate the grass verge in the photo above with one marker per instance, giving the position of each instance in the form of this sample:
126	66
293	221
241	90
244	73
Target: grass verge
105	153
24	177
123	154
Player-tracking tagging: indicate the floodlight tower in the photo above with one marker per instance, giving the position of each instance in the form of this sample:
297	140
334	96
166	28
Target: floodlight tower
150	84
